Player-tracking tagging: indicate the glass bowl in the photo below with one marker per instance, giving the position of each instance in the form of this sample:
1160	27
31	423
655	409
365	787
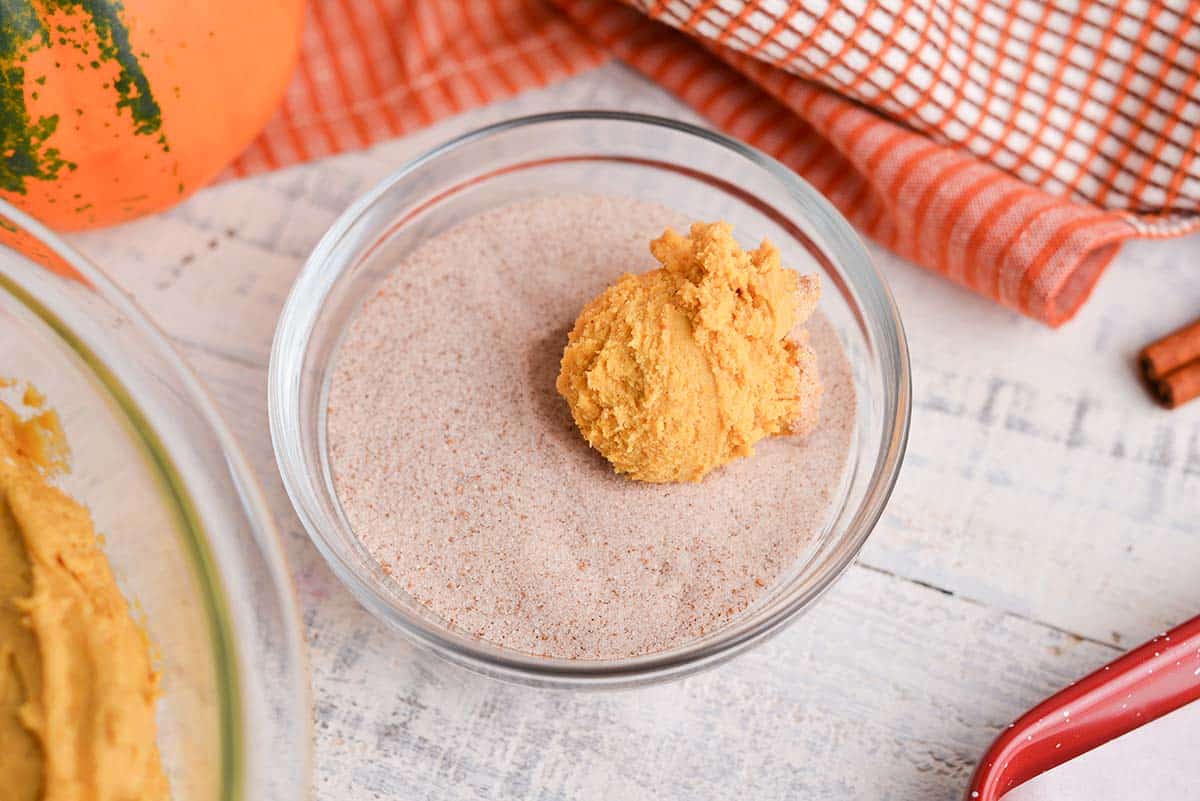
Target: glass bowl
699	173
185	529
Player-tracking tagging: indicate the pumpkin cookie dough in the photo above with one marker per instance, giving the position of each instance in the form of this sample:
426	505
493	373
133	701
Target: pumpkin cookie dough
77	689
675	372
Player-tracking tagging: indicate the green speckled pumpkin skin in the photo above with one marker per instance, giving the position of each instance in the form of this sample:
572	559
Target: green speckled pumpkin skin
111	109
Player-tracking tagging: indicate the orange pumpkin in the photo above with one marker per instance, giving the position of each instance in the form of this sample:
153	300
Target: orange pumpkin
110	110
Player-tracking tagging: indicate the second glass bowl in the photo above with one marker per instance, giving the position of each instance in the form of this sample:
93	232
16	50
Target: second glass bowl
185	529
701	174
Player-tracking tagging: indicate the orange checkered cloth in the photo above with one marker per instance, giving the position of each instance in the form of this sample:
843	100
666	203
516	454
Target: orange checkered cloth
1009	145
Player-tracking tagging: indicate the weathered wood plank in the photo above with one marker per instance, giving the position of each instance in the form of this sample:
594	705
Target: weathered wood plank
1040	477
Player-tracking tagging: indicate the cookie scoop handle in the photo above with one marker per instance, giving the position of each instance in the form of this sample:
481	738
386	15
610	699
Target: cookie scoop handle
1152	680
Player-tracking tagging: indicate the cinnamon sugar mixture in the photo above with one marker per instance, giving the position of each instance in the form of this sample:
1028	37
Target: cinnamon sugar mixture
460	468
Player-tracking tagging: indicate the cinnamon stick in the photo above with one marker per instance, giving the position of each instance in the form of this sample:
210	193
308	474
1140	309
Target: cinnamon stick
1172	351
1179	386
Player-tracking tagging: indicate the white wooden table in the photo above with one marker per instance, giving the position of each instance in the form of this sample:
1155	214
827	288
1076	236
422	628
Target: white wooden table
1047	517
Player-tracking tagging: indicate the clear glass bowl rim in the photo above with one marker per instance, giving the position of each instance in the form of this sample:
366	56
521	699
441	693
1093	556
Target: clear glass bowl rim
284	417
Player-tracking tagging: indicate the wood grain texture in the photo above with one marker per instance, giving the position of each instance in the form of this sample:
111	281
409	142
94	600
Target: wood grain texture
1048	515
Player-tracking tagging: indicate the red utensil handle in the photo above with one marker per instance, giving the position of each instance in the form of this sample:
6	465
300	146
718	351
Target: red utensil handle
1146	683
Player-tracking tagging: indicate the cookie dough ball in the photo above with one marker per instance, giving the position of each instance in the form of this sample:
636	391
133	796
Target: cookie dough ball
680	370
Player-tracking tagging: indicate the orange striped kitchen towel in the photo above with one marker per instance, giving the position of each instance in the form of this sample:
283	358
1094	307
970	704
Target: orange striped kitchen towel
1010	145
375	69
